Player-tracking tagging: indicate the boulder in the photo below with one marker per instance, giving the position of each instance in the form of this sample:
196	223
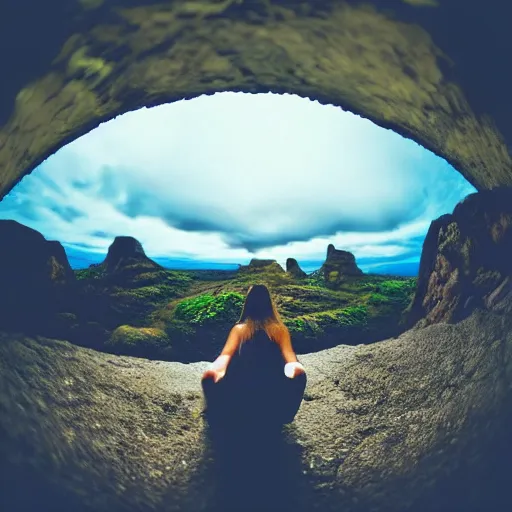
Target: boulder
293	268
139	341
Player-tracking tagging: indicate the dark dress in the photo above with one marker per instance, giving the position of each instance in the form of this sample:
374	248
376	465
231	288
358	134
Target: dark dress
255	467
255	388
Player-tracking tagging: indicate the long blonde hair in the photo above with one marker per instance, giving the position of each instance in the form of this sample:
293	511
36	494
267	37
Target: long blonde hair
259	312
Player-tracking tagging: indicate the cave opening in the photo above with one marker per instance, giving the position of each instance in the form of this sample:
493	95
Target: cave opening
165	217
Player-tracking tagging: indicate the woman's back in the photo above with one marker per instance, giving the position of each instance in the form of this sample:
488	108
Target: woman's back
256	370
255	387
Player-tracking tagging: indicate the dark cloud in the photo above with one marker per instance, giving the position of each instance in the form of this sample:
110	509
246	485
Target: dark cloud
46	181
112	183
237	231
203	218
82	184
102	234
256	242
133	194
66	213
21	208
191	224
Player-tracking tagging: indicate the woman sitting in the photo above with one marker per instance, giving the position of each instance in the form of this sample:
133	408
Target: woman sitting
257	377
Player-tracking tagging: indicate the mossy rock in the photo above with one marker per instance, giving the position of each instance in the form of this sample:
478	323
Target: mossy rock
333	276
148	342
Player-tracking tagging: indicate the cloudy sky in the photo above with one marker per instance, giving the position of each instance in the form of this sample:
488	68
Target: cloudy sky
224	178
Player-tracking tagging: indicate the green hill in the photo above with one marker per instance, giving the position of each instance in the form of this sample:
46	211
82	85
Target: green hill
187	315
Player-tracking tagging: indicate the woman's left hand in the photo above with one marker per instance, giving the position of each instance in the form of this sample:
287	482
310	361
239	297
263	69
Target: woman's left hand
217	369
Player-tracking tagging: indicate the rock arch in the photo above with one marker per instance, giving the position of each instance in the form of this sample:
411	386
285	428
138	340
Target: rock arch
396	62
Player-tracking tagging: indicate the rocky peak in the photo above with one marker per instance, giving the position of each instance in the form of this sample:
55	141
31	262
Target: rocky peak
339	264
125	250
265	265
342	257
293	268
28	256
33	276
466	260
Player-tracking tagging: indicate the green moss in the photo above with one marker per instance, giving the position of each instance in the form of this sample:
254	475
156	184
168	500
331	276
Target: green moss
297	324
333	276
90	66
267	276
387	291
196	310
378	299
154	293
207	308
353	316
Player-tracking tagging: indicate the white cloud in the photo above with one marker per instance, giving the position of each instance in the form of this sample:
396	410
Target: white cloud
215	176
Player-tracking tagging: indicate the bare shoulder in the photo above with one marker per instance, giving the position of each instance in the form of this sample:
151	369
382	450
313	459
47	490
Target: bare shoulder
239	329
284	333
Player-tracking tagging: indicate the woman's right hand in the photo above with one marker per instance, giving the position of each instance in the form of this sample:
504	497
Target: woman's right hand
213	374
292	370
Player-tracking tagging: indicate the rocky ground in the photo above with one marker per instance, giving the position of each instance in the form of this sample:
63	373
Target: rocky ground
385	427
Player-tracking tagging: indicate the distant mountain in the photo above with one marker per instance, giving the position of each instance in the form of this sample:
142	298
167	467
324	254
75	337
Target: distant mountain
405	269
309	265
189	264
83	258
